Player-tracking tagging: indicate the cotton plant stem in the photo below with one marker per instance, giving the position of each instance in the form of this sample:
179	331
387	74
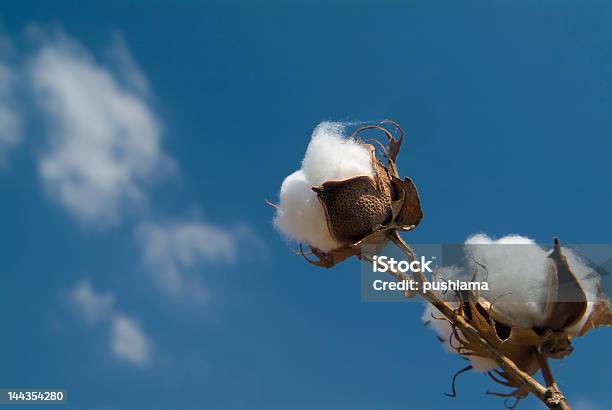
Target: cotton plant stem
550	396
546	372
549	379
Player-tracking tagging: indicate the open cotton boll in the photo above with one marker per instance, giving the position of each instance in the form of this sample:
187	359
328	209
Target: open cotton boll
444	330
332	157
300	215
518	276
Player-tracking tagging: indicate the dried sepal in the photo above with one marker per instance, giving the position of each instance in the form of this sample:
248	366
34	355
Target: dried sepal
556	345
329	259
374	243
407	208
568	302
514	342
600	316
517	344
394	145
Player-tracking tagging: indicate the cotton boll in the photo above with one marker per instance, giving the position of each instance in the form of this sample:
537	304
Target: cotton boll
332	157
329	157
518	276
444	330
300	215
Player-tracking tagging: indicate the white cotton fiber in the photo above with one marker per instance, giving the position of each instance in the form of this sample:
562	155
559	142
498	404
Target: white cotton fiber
443	328
330	157
518	276
300	215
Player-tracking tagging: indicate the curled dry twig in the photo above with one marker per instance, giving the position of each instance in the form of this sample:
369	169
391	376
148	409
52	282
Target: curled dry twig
453	393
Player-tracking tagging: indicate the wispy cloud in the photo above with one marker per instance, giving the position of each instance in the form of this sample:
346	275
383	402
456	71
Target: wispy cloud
128	69
104	140
102	148
128	341
91	305
172	249
11	125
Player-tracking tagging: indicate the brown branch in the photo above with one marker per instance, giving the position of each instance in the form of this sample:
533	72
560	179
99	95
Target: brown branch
549	379
550	396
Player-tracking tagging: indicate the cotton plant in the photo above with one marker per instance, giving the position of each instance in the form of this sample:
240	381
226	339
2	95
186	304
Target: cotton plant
348	198
537	302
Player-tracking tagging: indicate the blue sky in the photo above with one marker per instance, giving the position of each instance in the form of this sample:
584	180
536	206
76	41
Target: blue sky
138	143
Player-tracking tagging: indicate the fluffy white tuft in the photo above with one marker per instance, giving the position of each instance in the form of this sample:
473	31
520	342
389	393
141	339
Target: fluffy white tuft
330	157
301	217
518	276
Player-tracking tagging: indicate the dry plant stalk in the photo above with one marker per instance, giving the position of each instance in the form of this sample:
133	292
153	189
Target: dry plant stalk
372	210
551	396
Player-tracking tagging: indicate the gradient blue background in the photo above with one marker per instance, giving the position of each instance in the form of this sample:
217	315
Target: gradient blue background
508	111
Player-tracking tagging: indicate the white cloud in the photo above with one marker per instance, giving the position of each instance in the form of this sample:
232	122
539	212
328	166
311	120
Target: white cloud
171	249
104	141
129	342
91	305
103	146
11	126
129	70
